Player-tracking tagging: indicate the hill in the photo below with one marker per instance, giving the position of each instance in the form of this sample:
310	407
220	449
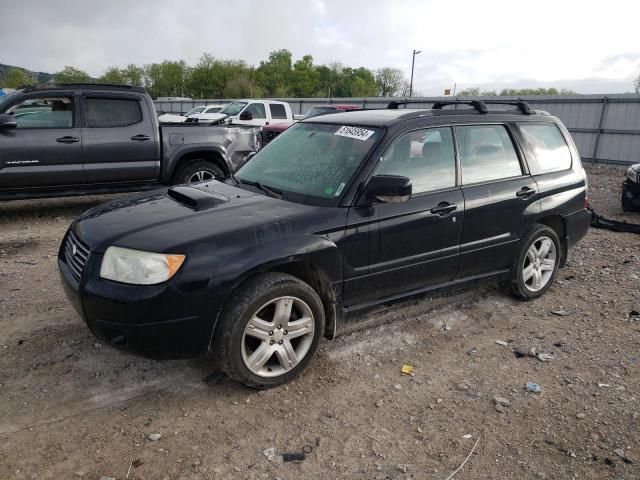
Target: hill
39	77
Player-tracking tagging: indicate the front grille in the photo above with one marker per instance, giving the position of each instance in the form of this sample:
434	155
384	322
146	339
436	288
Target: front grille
267	136
76	254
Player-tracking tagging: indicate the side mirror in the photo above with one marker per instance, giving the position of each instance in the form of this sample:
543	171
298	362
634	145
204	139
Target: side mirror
7	121
389	188
246	115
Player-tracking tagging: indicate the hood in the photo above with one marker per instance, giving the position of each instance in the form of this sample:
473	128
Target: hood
176	218
211	116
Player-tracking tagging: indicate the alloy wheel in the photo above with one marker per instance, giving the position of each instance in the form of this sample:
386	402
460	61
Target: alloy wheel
539	264
278	336
201	176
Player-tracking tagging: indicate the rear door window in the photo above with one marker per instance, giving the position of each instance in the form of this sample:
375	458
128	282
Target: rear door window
486	153
549	147
278	112
112	112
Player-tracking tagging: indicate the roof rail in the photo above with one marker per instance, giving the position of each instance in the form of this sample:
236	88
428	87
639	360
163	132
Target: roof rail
522	106
479	105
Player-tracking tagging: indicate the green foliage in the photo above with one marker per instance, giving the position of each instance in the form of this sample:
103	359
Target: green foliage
15	78
72	75
513	92
636	84
391	82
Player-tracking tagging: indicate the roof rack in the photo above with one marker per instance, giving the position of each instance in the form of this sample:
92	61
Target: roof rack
85	85
479	105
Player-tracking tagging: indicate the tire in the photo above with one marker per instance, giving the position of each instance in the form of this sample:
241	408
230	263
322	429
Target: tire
197	171
236	343
531	276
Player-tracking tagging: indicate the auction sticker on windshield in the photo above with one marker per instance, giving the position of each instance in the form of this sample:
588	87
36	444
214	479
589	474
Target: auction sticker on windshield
355	132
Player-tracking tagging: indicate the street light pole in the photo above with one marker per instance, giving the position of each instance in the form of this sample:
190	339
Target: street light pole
413	61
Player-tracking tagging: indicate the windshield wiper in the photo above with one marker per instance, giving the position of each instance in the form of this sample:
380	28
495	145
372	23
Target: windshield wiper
268	190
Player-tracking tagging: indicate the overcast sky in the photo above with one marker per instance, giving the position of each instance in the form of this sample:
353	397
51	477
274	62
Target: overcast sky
589	46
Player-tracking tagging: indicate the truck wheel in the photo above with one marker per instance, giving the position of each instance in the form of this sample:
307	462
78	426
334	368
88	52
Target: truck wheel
269	330
627	201
534	269
197	171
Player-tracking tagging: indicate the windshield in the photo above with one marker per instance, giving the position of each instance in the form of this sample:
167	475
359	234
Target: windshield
233	108
193	111
315	111
311	162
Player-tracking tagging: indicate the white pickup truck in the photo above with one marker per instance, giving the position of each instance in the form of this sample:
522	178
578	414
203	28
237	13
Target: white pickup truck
254	112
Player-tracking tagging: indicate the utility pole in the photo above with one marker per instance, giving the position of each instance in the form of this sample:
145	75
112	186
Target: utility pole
413	61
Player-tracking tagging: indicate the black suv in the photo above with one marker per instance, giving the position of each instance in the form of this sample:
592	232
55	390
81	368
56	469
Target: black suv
341	213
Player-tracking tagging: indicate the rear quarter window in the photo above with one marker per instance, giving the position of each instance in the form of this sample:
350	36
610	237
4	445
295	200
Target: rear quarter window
550	150
278	111
112	112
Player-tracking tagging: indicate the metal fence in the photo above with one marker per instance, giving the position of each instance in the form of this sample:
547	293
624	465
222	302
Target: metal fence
606	128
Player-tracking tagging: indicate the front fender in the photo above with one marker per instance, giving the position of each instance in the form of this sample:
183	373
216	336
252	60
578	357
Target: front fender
172	160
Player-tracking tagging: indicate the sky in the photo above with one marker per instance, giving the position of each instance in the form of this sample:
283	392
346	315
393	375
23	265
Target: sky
588	46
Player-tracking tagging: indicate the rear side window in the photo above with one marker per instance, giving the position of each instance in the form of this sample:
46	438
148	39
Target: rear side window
278	111
549	147
486	153
112	112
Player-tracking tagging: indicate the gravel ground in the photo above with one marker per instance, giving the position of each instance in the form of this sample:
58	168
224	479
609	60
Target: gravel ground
71	407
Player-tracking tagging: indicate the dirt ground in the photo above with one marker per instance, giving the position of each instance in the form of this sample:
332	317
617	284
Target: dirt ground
71	407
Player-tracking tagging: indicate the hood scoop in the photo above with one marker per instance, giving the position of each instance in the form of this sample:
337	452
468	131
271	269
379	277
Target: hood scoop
195	198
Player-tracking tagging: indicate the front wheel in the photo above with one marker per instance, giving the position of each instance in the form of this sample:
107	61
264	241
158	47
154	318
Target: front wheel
269	331
533	270
197	171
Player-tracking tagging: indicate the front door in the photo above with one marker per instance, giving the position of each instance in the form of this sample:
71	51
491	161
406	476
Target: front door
119	140
413	245
45	149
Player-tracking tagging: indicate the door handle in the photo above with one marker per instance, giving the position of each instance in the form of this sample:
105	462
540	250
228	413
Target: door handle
525	192
140	138
443	208
67	139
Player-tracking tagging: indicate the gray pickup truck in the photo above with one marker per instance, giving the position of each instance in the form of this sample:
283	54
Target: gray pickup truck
88	138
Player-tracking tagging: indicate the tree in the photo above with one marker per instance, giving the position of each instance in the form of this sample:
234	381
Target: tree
112	75
636	84
304	77
167	79
72	75
133	75
274	75
391	82
16	78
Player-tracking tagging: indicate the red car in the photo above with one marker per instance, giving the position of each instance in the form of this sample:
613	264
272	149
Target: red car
269	132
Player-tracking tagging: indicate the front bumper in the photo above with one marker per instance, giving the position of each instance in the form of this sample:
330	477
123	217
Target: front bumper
157	321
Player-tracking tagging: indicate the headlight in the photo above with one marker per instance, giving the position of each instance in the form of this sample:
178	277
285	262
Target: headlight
139	268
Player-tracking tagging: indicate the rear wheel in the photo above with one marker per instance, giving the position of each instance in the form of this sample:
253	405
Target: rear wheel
197	171
532	272
270	330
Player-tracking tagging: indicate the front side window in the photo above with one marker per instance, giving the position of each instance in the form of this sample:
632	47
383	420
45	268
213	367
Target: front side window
49	112
257	109
278	112
549	147
234	108
311	162
427	157
486	153
112	112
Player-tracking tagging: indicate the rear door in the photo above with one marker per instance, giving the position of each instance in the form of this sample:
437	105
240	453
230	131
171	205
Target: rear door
45	149
414	245
499	195
119	141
